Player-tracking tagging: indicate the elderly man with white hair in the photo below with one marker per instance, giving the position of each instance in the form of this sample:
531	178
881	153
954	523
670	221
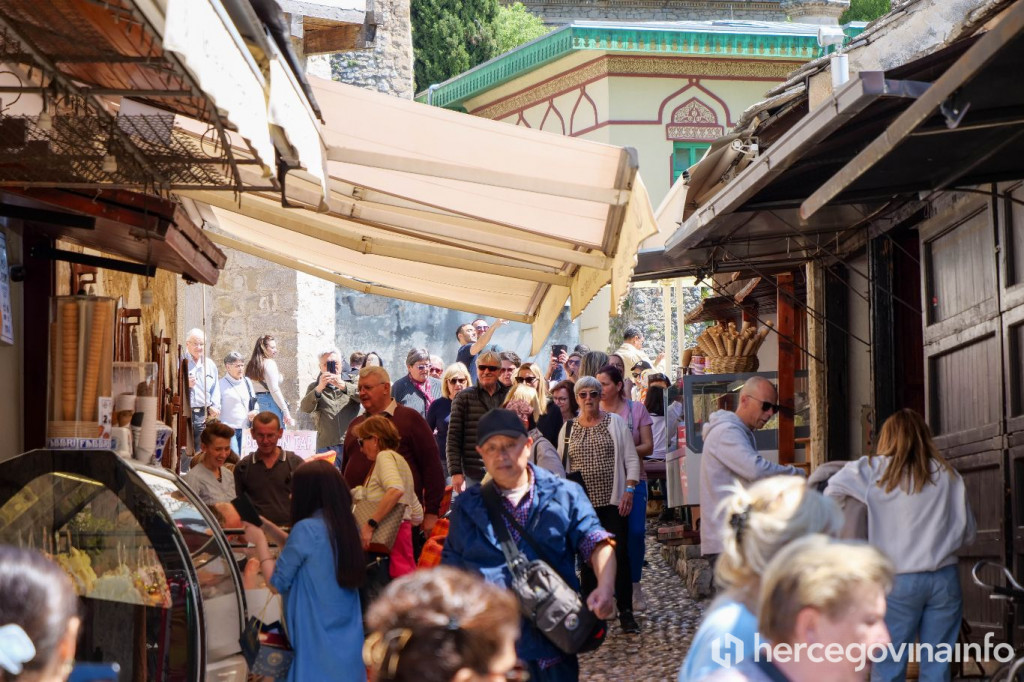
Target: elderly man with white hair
331	400
203	385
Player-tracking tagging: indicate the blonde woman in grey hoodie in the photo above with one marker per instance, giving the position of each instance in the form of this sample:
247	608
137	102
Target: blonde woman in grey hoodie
918	515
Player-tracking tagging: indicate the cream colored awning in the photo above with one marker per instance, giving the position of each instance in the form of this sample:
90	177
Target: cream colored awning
448	209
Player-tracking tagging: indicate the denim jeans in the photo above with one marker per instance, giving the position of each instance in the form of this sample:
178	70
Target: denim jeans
236	442
638	531
566	670
265	403
926	606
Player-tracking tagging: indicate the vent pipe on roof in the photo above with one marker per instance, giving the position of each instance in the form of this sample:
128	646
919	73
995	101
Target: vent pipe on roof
430	93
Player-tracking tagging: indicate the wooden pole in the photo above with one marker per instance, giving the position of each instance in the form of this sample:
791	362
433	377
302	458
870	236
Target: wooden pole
681	316
666	311
786	328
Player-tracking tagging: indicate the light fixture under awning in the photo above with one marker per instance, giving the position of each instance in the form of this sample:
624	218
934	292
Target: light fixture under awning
448	209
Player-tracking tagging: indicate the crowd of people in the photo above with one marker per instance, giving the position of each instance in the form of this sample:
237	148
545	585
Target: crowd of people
552	462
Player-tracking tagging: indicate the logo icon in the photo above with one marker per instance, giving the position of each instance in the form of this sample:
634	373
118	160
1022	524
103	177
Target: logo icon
727	651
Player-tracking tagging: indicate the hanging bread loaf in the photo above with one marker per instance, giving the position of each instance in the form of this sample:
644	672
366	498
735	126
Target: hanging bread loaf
720	340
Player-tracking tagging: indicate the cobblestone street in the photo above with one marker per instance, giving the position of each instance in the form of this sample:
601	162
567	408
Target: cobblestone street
667	627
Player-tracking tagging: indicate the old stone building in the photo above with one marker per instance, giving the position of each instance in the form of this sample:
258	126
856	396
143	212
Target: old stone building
558	12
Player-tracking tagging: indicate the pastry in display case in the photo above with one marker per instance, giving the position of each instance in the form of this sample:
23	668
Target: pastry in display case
161	589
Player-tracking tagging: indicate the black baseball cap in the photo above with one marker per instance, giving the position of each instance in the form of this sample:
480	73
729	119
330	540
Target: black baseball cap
499	422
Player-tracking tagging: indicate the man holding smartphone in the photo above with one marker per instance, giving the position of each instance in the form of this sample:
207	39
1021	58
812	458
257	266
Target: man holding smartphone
330	400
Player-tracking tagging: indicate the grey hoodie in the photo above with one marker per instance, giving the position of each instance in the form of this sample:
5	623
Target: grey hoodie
730	456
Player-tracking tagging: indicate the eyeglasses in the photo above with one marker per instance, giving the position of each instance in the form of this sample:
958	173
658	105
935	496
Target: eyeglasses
368	387
574	361
436	371
422	368
507	370
482	328
364	439
487	368
588	394
458	380
767	405
526	380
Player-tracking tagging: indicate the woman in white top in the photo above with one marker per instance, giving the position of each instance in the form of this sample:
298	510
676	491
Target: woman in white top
262	370
919	516
389	482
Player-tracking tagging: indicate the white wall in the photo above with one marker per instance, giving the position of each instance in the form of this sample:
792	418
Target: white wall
859	370
11	375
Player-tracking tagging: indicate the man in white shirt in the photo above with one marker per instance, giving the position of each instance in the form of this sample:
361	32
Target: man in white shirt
204	391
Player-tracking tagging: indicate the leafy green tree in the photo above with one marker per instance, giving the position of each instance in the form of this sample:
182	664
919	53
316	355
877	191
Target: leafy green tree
451	36
865	10
514	26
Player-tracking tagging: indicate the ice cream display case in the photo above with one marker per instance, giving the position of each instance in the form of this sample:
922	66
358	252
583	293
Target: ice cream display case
160	586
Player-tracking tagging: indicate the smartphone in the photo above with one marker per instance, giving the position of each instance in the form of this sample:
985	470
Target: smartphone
557	349
332	366
247	510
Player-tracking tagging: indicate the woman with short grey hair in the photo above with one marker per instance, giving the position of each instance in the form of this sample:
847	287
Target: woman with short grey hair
237	398
598	452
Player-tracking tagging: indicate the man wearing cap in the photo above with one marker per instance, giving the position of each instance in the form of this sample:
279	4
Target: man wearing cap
417	389
560	518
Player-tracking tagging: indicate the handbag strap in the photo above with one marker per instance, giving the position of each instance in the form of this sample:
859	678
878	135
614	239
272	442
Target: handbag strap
565	444
495	503
515	559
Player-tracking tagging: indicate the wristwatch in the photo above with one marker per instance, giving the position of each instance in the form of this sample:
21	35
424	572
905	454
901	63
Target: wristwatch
630	489
372	523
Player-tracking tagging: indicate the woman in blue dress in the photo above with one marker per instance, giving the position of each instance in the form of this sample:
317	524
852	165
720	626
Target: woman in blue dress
318	574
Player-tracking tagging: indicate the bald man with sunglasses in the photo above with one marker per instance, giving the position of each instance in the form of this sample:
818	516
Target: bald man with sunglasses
730	456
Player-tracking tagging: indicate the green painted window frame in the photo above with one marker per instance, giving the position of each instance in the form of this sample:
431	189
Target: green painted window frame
685	154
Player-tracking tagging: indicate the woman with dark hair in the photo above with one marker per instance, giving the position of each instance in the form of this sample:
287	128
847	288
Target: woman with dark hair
318	573
565	398
443	625
918	515
262	370
373	359
656	406
615	399
38	618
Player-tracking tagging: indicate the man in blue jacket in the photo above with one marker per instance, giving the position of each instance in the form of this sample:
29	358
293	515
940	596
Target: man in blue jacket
558	516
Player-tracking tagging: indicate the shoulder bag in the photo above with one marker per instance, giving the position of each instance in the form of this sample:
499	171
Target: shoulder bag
384	535
266	647
545	599
574	476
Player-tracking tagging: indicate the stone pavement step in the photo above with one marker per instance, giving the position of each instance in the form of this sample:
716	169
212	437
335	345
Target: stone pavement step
671	619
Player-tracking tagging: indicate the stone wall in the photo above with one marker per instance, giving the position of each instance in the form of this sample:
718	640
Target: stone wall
695	570
390	327
387	66
554	12
642	307
254	297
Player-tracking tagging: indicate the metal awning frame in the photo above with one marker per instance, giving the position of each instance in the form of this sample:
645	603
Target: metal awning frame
940	92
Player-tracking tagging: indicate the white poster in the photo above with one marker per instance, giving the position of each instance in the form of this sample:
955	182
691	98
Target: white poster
6	321
302	443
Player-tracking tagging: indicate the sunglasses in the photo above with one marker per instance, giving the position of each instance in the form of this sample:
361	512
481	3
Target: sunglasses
482	328
436	371
574	361
487	368
526	380
457	380
364	439
588	394
768	405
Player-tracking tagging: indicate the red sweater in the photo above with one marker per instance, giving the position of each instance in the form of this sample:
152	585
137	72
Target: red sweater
417	446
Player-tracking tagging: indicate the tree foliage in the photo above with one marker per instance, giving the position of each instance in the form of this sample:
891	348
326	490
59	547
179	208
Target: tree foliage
514	26
451	36
865	10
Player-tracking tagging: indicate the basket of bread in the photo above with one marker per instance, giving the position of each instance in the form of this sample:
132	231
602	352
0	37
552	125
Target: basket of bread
728	350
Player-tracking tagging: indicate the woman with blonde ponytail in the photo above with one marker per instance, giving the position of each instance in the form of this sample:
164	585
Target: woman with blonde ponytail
759	521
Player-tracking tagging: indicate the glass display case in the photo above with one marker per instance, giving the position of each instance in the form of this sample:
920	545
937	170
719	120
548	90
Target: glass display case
160	586
706	393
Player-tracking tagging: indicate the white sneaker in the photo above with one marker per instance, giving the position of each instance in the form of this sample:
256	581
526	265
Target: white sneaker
639	601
